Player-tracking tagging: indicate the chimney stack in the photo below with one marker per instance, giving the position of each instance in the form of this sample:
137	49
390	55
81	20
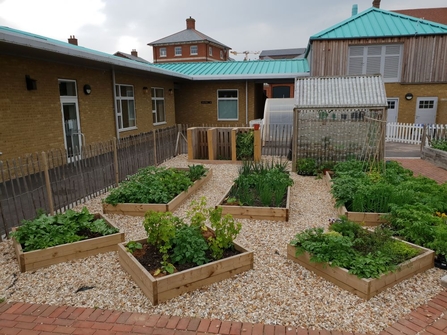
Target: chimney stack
355	10
73	40
134	53
190	23
376	3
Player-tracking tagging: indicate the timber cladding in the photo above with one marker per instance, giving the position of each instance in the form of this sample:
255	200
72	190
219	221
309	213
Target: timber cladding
196	101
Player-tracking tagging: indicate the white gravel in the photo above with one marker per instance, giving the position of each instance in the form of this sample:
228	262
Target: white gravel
276	291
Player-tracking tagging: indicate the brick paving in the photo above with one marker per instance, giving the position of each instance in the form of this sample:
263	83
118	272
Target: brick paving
33	319
36	319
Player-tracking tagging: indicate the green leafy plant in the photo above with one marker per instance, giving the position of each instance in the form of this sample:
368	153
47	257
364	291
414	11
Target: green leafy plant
245	145
189	246
440	144
154	185
261	184
47	231
306	166
131	246
367	254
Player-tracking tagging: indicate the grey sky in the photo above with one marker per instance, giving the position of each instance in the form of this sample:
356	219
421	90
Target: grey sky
123	25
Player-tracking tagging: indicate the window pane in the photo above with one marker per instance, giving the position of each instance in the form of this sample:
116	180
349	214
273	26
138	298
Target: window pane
160	111
227	109
67	88
227	94
126	91
159	92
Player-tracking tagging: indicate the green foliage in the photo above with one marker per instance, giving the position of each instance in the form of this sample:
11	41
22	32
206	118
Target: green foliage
245	145
440	144
196	172
189	246
261	183
153	185
306	166
131	246
439	243
47	231
161	228
2	300
364	253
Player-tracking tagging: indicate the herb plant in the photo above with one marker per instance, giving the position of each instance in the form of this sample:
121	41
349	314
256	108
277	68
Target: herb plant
48	231
245	145
155	185
306	166
440	144
364	253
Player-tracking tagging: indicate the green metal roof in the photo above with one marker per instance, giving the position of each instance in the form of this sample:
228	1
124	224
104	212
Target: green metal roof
375	22
268	69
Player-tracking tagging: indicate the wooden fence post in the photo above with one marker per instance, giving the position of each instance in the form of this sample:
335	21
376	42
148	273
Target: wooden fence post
47	183
115	161
233	144
257	145
155	148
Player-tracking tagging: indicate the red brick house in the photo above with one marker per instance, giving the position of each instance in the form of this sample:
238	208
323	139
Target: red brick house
189	45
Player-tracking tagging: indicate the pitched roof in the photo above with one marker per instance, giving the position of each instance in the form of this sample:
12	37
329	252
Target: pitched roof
259	69
438	15
347	91
130	56
375	22
186	36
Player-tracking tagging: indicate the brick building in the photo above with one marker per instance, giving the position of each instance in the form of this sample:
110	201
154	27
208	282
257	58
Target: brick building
189	45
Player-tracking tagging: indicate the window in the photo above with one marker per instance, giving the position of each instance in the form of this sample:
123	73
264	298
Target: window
227	105
178	51
374	59
221	54
193	49
158	106
162	52
391	104
210	51
125	107
426	104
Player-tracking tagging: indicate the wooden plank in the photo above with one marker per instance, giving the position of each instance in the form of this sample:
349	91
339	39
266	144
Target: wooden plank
190	137
167	287
257	146
37	259
233	144
366	219
141	209
366	288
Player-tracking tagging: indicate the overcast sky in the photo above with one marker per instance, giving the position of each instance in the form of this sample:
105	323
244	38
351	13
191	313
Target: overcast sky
123	25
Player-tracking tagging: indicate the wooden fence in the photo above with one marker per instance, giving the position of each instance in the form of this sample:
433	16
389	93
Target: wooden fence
50	182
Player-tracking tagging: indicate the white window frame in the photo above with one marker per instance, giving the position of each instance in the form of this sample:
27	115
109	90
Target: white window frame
155	99
177	51
191	50
163	52
376	58
210	50
228	99
119	112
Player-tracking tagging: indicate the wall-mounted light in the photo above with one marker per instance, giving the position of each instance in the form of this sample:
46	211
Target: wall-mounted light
87	89
170	91
31	84
145	90
408	96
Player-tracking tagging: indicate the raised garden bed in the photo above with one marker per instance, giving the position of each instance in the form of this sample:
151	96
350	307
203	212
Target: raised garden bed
365	288
255	212
36	259
367	219
164	288
140	209
435	156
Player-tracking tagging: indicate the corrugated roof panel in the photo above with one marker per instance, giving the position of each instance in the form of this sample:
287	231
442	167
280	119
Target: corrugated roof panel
376	22
339	92
285	67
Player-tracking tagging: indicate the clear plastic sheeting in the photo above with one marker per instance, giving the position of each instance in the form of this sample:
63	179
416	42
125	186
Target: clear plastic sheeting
277	112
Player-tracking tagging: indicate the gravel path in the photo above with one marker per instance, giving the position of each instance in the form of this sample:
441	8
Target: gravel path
277	291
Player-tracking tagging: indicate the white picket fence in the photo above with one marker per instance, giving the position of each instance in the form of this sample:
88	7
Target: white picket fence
412	133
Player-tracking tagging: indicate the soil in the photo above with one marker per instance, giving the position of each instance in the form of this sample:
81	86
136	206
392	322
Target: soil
256	202
150	258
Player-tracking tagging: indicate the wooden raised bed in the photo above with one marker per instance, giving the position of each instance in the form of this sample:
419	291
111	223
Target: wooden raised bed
364	218
366	288
141	209
256	213
164	288
36	259
435	156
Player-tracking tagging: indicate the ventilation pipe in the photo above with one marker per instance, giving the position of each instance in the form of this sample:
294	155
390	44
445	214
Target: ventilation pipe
355	10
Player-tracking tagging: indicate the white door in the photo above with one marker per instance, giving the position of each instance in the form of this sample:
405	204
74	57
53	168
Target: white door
70	118
426	108
393	109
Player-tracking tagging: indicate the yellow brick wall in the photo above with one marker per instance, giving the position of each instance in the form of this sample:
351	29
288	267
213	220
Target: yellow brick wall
407	108
31	121
190	95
